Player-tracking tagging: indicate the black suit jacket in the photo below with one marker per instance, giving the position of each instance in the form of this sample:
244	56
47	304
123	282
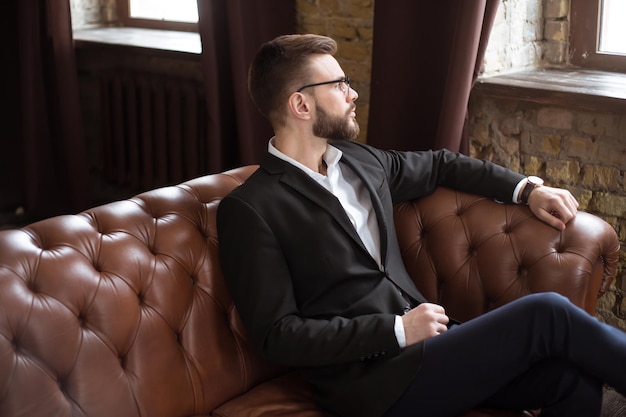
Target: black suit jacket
307	289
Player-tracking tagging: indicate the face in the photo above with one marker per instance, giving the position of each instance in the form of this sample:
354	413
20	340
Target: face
335	126
334	108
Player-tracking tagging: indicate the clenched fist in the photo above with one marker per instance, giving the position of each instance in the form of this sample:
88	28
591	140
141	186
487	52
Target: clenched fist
424	321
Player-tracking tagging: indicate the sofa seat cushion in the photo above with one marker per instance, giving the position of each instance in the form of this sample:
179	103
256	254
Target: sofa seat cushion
285	396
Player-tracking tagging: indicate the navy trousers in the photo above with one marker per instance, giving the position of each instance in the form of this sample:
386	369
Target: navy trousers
538	352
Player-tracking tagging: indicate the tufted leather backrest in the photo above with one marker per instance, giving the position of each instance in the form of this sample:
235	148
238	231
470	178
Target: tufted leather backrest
122	310
473	254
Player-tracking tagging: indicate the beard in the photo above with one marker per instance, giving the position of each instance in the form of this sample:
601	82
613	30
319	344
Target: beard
335	127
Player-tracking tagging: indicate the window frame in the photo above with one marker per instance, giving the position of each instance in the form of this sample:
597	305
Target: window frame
584	38
123	13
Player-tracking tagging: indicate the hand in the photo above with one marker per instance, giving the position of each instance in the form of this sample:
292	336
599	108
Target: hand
554	206
423	322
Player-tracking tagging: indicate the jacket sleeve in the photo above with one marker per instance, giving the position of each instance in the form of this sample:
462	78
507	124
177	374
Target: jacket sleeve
415	174
259	279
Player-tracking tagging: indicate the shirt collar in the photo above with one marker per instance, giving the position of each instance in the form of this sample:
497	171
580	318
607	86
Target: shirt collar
331	156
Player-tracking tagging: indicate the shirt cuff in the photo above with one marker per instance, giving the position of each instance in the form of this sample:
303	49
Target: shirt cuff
518	189
398	328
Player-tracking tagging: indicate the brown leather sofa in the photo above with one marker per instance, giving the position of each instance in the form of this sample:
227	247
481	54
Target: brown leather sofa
121	310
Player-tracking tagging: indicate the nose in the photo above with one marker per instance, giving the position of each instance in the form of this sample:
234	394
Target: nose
352	95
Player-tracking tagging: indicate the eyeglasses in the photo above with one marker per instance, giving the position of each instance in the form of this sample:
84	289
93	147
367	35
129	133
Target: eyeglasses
343	82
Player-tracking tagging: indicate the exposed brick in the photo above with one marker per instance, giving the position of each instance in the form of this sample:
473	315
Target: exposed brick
555	118
601	178
355	51
342	8
509	145
555	53
358	8
313	24
306	7
533	165
86	13
350	29
609	204
622	232
580	147
606	303
582	195
512	125
480	133
343	29
359	77
556	30
597	124
504	151
560	171
610	154
482	151
544	143
555	8
366	32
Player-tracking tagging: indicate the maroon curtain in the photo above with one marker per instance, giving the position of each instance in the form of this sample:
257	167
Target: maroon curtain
43	159
231	32
426	57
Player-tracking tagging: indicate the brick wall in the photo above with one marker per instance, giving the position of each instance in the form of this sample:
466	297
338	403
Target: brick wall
89	13
528	34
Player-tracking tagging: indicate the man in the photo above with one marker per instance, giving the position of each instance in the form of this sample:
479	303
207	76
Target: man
309	252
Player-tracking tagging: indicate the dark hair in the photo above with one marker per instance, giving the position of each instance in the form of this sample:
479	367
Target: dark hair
280	67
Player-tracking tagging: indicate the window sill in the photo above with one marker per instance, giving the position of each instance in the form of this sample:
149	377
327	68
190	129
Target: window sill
165	40
572	87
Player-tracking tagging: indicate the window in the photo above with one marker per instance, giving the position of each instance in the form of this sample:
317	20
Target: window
159	14
612	30
598	34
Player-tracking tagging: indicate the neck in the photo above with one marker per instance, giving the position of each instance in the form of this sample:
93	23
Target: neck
308	151
322	167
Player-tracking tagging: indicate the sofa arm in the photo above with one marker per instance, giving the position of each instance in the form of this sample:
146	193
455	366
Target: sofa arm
472	254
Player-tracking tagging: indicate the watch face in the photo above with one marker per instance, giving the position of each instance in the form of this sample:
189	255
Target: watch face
535	180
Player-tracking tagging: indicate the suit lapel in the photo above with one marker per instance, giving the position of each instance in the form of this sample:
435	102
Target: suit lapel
301	182
353	164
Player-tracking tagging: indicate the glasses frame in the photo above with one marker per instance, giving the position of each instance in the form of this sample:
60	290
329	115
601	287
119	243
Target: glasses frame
345	80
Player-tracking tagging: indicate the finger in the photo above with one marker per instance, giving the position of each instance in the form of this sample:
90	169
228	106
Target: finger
435	308
570	205
551	219
443	319
567	212
573	202
564	215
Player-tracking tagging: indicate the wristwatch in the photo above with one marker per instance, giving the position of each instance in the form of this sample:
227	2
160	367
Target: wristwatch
532	182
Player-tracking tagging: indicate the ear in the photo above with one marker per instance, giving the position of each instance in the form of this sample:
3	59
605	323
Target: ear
300	106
